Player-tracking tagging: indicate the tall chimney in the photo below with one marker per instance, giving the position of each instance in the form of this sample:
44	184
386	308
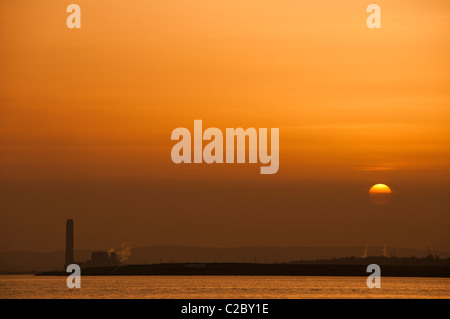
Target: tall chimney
69	242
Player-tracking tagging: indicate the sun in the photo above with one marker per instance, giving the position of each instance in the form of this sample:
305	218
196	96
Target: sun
380	189
380	194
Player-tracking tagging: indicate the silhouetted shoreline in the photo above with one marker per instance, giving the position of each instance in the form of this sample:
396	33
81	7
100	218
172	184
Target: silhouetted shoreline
257	269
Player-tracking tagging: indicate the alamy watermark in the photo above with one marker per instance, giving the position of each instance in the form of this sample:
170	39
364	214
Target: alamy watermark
73	21
213	152
374	280
73	280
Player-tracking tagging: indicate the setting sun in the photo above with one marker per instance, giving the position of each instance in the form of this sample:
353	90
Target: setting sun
380	189
380	194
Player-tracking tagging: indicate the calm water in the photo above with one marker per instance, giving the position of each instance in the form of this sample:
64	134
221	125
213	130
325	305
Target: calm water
184	287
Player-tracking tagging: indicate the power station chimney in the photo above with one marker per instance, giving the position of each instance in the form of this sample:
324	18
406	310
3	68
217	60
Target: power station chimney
69	242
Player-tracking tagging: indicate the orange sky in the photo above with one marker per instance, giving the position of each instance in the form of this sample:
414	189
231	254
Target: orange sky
97	106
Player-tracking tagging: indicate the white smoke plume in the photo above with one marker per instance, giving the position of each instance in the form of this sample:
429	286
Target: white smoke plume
364	255
385	251
123	253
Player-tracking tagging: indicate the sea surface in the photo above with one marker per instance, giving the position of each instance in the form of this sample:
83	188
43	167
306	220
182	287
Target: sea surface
221	287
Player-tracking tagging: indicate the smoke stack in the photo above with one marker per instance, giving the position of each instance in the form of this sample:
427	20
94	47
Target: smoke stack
69	242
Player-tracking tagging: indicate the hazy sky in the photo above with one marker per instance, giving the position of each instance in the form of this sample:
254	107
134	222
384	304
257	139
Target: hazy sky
86	118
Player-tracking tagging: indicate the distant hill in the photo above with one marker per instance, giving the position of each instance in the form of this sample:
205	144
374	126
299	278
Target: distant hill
27	261
157	254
